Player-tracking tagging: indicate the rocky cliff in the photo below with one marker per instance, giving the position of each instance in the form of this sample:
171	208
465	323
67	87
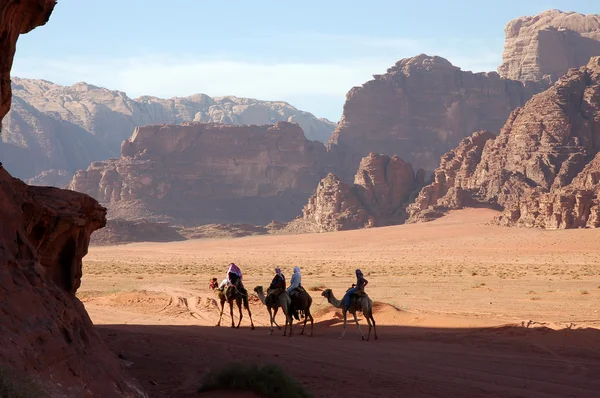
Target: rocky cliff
543	167
66	128
378	197
45	332
421	108
546	46
198	173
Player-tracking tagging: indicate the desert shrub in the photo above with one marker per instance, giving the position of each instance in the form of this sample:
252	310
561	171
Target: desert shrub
13	387
264	380
316	287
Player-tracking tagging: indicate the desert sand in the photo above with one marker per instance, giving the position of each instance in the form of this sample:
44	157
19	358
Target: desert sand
463	308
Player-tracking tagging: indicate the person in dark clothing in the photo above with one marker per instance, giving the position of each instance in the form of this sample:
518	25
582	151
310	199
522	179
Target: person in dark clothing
276	287
361	282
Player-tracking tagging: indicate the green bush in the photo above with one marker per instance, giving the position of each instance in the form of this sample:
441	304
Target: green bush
269	381
12	387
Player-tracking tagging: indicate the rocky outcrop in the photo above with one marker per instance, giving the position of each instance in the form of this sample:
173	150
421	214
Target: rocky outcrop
67	128
420	109
198	173
378	197
45	332
543	167
51	178
450	180
546	46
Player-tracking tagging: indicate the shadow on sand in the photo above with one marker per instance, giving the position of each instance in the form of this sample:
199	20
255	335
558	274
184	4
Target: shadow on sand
171	361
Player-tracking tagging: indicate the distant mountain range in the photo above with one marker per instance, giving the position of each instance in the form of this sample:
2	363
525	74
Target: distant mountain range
52	131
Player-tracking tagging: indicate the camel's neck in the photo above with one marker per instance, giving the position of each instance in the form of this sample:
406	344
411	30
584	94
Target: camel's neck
333	301
261	297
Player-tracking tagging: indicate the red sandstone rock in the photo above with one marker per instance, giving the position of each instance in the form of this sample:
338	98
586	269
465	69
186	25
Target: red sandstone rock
198	173
420	109
378	197
543	167
450	179
45	332
547	45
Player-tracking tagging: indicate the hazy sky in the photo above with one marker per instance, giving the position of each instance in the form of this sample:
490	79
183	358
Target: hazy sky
309	53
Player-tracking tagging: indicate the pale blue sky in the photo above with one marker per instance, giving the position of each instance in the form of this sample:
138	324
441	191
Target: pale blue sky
309	53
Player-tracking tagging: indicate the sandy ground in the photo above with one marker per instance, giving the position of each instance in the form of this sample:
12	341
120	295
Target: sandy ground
463	309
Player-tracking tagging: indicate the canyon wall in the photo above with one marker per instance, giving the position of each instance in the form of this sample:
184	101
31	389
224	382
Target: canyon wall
47	336
421	108
546	46
543	167
200	173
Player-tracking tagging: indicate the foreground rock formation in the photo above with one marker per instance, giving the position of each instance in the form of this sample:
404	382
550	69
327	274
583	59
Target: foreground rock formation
543	168
378	197
546	46
421	108
45	331
198	173
66	128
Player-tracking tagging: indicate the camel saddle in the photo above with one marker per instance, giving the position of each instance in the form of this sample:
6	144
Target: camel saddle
297	291
273	295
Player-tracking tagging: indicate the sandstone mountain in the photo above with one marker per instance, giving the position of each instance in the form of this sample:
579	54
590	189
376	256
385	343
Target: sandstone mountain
378	197
543	168
46	333
198	173
421	108
546	46
67	128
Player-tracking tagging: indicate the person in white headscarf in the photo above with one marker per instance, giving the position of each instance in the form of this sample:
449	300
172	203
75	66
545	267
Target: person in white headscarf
295	282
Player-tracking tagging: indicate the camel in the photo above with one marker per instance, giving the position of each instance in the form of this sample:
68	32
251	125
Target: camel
302	303
284	303
361	303
238	297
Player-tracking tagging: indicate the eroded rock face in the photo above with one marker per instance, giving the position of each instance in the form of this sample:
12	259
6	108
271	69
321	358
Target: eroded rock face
420	109
45	332
66	128
450	179
378	197
198	173
543	167
546	46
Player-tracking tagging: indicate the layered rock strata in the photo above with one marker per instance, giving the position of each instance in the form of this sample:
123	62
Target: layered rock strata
543	167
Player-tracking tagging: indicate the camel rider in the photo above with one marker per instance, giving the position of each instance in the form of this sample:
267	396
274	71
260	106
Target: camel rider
277	285
361	282
294	286
234	277
295	281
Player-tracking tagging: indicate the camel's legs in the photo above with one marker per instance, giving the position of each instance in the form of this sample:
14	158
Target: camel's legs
358	326
231	312
271	320
239	305
368	318
250	315
274	315
374	328
344	331
306	316
221	316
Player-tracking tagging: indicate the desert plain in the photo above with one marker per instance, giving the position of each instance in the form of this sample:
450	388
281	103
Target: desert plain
463	308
